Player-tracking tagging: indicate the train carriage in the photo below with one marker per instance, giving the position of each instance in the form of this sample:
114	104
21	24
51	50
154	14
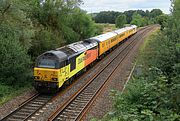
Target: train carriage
110	39
105	41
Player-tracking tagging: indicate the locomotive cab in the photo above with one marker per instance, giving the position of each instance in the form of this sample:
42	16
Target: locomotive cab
47	70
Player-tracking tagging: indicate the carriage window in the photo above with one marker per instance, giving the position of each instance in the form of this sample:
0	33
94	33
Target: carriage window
46	63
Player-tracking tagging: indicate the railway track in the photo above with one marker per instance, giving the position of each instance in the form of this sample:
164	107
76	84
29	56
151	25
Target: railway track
28	108
78	104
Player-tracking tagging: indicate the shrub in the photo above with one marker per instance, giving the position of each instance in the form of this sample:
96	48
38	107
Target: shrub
14	66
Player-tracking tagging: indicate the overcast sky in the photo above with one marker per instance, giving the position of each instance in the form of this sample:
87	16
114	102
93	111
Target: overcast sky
92	6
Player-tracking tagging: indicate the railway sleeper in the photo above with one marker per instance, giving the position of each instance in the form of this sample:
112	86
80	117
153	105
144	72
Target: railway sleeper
87	93
64	116
82	97
19	117
72	105
81	102
12	119
27	110
31	108
59	118
22	113
85	99
41	100
69	115
72	111
77	107
34	105
41	103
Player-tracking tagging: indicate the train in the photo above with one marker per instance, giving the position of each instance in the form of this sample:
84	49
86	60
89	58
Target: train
56	67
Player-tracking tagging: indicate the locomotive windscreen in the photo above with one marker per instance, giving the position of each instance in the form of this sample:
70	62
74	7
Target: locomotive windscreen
46	63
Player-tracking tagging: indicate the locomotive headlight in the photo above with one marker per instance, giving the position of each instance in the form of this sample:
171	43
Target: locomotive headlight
36	77
54	79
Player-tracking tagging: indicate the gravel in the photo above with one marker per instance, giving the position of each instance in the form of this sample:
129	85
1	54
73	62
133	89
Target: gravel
15	102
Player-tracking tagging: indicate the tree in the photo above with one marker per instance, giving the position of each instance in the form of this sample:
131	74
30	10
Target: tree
15	63
106	17
82	24
59	23
137	19
110	16
120	21
129	15
155	12
162	20
12	14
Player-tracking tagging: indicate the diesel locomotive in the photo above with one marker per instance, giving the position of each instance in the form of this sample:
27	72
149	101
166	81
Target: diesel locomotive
56	67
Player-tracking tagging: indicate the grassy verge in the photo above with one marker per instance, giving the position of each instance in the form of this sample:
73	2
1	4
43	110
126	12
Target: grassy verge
106	27
8	92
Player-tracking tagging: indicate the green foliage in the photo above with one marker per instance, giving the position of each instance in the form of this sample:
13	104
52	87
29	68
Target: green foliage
155	12
7	92
82	24
148	17
99	29
15	63
120	21
162	20
62	22
12	14
44	40
137	20
104	28
106	17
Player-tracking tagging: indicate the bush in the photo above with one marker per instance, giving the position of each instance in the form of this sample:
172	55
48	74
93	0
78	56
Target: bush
14	66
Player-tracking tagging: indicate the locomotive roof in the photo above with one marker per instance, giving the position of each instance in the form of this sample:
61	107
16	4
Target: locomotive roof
59	55
77	48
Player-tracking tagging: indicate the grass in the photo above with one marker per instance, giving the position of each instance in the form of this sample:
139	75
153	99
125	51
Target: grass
144	51
106	27
148	39
8	92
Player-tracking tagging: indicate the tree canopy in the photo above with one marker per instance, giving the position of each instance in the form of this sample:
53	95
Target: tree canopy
120	21
147	17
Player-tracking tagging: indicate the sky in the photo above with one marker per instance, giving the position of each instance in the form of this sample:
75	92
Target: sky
93	6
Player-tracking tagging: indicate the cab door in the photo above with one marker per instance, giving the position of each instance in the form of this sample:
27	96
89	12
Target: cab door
66	70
